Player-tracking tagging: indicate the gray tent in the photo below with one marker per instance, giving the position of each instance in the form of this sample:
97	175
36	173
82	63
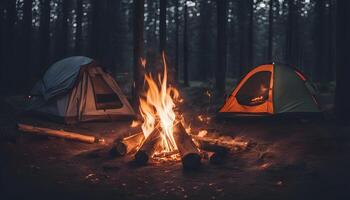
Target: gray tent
76	89
270	90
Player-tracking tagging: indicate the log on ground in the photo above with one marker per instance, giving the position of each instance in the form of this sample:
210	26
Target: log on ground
59	133
218	152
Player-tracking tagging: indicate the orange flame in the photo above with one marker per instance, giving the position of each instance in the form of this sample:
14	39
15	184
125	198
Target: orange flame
158	106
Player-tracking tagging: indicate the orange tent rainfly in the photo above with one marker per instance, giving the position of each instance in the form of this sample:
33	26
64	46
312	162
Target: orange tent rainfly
271	89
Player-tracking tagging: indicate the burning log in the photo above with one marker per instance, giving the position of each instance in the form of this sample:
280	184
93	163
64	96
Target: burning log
148	147
59	134
217	153
219	145
127	145
132	131
213	147
190	156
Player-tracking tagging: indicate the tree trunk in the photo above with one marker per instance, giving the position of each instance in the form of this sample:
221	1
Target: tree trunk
65	27
342	95
138	51
322	47
79	27
44	31
250	33
111	28
332	49
204	48
162	25
270	39
25	63
176	66
94	30
292	41
245	23
9	45
2	22
241	35
220	73
62	43
185	46
329	42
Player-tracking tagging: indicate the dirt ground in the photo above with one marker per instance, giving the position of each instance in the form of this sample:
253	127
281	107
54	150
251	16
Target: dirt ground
292	159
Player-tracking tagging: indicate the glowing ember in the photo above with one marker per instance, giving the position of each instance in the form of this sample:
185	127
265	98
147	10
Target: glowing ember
158	106
202	133
257	99
265	166
202	118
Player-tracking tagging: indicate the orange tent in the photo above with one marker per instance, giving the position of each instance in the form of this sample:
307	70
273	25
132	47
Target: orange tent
271	89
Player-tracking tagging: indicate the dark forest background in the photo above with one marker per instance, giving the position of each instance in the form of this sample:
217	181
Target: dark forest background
211	41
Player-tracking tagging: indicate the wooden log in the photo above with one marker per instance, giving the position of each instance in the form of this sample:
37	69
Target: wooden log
148	147
190	155
217	158
127	145
60	134
217	153
213	147
132	131
217	144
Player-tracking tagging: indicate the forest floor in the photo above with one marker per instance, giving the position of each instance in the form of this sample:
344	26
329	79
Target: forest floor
293	159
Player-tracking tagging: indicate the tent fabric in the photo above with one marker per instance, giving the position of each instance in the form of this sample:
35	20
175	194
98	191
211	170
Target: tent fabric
79	102
233	106
60	77
291	94
269	90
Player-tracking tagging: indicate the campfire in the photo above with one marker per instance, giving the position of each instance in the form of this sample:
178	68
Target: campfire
162	135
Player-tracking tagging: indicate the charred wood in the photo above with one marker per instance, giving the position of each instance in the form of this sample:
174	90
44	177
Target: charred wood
127	145
148	147
190	155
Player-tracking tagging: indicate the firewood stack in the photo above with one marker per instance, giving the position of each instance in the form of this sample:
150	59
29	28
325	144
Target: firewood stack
191	148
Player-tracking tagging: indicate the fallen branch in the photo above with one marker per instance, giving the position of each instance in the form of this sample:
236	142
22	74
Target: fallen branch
59	133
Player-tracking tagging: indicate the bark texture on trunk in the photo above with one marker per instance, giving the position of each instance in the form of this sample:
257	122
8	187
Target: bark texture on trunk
342	94
138	51
221	47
